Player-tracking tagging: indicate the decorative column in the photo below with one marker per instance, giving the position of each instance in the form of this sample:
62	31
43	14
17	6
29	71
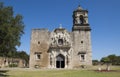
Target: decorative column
55	61
65	61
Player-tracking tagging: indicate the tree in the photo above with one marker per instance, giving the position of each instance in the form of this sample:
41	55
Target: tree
23	55
118	60
113	59
11	29
106	60
95	62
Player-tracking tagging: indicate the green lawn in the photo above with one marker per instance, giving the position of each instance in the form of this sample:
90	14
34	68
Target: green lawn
56	73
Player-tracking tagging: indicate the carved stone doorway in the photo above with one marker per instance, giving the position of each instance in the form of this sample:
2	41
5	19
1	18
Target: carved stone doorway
60	61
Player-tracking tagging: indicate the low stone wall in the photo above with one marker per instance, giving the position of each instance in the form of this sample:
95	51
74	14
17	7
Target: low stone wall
7	62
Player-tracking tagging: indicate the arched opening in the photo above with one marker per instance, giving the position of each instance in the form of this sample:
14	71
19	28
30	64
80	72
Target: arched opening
60	61
81	19
60	41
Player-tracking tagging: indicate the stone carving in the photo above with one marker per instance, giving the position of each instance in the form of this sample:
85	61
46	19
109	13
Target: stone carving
79	20
60	38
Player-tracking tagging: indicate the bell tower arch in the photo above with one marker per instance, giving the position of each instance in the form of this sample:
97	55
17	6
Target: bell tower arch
80	17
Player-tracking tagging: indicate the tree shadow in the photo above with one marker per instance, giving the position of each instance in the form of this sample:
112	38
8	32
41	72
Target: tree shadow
3	73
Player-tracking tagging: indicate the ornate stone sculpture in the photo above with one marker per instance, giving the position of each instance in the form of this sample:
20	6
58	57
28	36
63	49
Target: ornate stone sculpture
60	38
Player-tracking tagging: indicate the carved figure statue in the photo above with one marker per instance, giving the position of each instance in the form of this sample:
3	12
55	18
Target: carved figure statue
77	20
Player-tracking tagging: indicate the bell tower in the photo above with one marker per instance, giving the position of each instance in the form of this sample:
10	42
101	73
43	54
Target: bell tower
80	19
81	38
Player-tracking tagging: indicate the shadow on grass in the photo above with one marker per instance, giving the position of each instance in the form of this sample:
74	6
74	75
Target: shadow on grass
3	73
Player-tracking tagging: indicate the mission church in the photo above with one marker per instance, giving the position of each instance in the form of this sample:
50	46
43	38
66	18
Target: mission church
60	48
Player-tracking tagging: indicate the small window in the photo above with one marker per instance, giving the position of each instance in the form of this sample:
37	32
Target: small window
82	57
81	42
37	56
38	42
60	41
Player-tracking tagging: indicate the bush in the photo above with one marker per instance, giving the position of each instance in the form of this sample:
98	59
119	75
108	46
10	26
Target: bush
83	66
95	62
13	65
36	66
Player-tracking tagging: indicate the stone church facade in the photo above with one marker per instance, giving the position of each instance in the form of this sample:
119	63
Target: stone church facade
60	48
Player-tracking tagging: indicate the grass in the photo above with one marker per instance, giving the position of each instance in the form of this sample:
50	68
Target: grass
58	73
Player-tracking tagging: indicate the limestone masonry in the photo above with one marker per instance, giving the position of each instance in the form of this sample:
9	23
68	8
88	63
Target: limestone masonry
60	48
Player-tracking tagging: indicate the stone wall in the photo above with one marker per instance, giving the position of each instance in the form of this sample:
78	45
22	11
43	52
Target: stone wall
39	46
5	62
81	46
45	46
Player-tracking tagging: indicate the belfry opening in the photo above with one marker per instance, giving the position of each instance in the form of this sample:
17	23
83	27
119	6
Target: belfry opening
60	61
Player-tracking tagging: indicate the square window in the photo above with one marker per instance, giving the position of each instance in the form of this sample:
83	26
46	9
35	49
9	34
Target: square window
37	56
82	57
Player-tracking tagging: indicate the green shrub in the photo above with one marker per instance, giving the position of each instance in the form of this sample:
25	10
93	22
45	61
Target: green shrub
13	65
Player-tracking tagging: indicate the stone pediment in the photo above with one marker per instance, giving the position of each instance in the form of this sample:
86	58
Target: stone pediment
60	38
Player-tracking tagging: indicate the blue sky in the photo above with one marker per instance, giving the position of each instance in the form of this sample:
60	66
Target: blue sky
104	19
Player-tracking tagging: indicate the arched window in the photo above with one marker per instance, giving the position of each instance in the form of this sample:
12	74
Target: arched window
60	41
